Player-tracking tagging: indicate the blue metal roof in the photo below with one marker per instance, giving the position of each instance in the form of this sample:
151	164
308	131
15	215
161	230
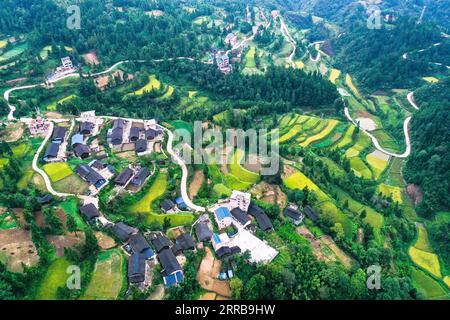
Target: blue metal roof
216	238
77	138
223	213
180	201
148	253
173	279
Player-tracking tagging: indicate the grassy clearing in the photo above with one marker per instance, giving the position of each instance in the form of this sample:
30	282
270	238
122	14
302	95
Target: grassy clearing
25	179
426	260
377	165
222	190
250	58
347	138
334	75
360	169
391	191
55	277
107	278
351	85
53	106
422	242
15	51
431	79
430	288
201	20
19	151
153	84
72	184
57	171
156	191
70	207
240	172
333	167
325	132
362	143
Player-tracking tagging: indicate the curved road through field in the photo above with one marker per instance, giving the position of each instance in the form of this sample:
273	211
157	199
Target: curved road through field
405	131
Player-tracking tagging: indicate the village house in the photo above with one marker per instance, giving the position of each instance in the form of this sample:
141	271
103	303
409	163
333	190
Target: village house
160	242
38	126
51	153
123	177
115	135
141	145
202	231
240	199
171	270
86	128
90	175
58	134
295	216
139	178
183	243
123	231
240	216
90	212
311	214
223	217
231	39
137	269
223	62
167	206
139	245
261	217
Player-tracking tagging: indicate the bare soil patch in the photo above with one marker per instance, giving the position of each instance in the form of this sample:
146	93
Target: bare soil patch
158	294
16	248
197	182
18	213
345	259
13	132
91	58
288	171
269	193
66	241
53	115
104	241
208	273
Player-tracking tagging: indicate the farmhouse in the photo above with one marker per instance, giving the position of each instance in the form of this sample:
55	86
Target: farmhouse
90	175
223	62
97	165
141	145
137	268
140	245
90	212
37	126
51	153
311	213
160	243
151	133
134	134
116	134
240	199
123	231
202	231
76	140
223	217
86	128
139	178
58	134
224	252
167	206
185	242
295	216
123	177
231	39
45	199
81	151
172	271
240	216
261	217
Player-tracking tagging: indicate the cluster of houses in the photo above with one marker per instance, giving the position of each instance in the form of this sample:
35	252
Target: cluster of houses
293	214
96	174
133	177
38	126
56	149
139	136
66	67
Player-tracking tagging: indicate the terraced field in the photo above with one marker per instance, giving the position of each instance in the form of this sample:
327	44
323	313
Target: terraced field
334	75
391	191
378	162
351	85
331	124
152	84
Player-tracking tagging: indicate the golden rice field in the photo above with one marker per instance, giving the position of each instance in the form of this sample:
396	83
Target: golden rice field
57	171
426	260
334	75
431	79
325	132
376	164
3	43
359	168
299	64
299	181
152	84
391	191
422	242
347	138
351	85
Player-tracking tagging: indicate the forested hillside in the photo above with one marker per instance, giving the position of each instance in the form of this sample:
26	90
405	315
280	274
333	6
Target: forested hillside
375	56
429	163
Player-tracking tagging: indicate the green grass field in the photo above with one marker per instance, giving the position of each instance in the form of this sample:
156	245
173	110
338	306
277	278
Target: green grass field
57	171
55	277
430	288
152	84
15	51
240	172
377	165
391	191
70	207
250	58
359	168
107	278
157	190
7	221
53	106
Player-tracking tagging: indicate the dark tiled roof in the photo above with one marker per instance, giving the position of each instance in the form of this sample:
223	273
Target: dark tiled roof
45	199
292	213
169	262
134	133
123	231
240	216
223	252
141	145
140	176
311	213
89	174
167	205
90	211
97	165
59	133
82	150
264	222
254	210
138	243
52	150
202	231
86	127
185	241
136	268
124	176
152	133
160	243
